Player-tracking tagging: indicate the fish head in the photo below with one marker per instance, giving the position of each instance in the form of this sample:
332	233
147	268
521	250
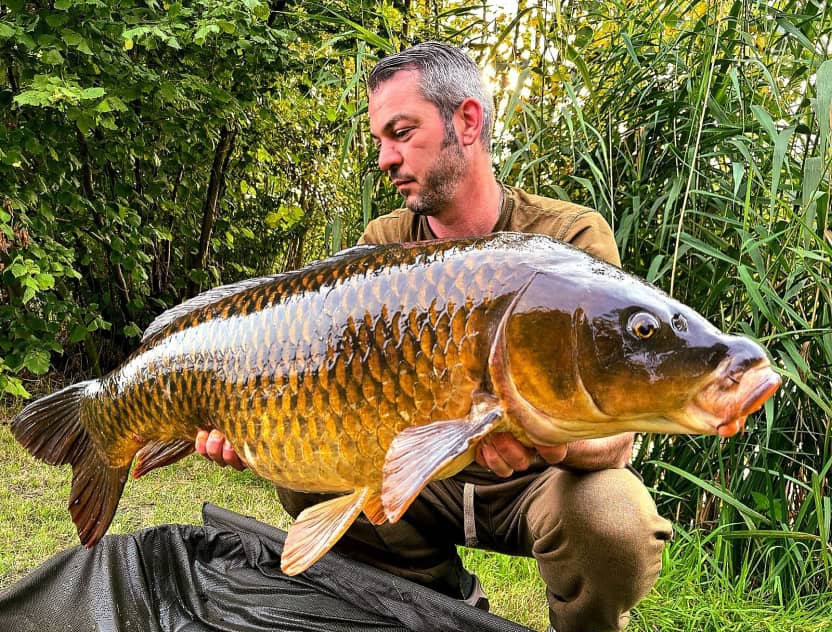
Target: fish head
598	351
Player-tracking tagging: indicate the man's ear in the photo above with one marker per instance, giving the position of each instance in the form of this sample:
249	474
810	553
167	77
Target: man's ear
468	121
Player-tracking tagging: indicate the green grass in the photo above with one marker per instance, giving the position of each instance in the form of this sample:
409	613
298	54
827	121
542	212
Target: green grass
691	595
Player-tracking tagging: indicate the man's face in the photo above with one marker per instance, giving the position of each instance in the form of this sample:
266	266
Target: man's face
413	146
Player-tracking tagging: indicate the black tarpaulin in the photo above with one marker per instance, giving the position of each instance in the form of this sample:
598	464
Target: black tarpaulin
223	576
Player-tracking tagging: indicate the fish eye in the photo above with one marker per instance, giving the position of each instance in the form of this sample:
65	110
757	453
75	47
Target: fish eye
679	322
643	325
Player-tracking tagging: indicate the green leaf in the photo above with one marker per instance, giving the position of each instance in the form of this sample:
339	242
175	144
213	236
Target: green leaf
85	123
273	219
45	280
132	330
107	122
781	142
71	37
203	31
57	20
36	361
79	332
84	47
766	121
63	5
32	97
92	93
18	269
227	27
52	57
630	50
12	386
752	286
823	103
738	170
812	174
29	294
792	30
367	184
723	494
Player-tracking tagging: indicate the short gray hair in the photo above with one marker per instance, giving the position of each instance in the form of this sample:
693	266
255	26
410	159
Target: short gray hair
448	77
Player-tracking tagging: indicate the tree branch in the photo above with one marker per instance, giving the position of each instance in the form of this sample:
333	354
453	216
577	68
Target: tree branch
222	155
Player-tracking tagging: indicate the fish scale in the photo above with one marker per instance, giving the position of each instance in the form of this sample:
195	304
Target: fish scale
382	368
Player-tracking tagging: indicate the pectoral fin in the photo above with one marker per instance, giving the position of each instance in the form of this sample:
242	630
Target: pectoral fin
423	453
317	528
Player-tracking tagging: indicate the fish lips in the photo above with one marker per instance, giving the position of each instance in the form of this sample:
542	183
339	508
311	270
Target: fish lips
725	402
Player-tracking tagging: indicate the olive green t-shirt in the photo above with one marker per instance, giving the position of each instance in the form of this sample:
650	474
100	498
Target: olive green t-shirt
520	212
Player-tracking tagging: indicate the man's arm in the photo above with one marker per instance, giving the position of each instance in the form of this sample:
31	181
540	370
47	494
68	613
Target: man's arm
599	454
503	454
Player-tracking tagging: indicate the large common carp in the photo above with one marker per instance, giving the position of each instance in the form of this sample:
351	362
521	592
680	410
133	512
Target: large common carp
378	370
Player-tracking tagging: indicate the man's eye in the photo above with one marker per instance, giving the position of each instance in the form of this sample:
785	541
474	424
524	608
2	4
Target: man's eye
402	133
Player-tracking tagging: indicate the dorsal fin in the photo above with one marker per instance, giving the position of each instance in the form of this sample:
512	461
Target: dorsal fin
215	295
209	297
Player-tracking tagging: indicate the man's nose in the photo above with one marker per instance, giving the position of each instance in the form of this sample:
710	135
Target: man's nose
388	157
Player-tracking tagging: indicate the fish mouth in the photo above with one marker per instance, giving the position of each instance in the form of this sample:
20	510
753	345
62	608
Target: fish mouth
724	403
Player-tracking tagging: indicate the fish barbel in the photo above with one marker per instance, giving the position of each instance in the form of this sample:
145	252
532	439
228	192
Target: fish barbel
380	369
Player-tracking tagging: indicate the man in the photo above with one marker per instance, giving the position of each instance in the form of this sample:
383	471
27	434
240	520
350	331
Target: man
587	520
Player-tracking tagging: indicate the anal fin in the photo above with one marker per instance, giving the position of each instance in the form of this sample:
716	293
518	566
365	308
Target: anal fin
318	528
160	453
421	454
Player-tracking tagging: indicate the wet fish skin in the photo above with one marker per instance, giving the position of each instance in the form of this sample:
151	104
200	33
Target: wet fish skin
378	370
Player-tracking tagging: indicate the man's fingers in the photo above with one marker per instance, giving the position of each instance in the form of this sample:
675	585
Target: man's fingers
503	454
517	456
553	454
213	445
488	457
199	442
230	457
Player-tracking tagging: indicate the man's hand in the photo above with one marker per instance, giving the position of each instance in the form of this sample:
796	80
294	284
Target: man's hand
213	445
503	454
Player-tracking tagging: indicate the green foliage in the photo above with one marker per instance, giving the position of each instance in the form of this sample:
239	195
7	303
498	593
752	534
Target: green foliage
138	141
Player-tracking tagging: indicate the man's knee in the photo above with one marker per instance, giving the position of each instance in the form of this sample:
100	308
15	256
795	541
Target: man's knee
610	523
613	505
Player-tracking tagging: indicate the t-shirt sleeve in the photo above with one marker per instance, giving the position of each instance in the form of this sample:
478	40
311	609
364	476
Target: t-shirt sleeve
591	233
370	234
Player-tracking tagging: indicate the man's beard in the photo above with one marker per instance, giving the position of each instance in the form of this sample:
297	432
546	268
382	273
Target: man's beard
440	181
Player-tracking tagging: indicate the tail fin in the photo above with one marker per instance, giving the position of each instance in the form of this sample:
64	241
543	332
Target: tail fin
51	429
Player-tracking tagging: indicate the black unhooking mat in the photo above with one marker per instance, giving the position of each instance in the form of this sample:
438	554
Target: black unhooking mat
224	576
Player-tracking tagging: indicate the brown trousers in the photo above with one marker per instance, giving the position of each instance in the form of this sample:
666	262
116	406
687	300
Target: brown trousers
596	537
